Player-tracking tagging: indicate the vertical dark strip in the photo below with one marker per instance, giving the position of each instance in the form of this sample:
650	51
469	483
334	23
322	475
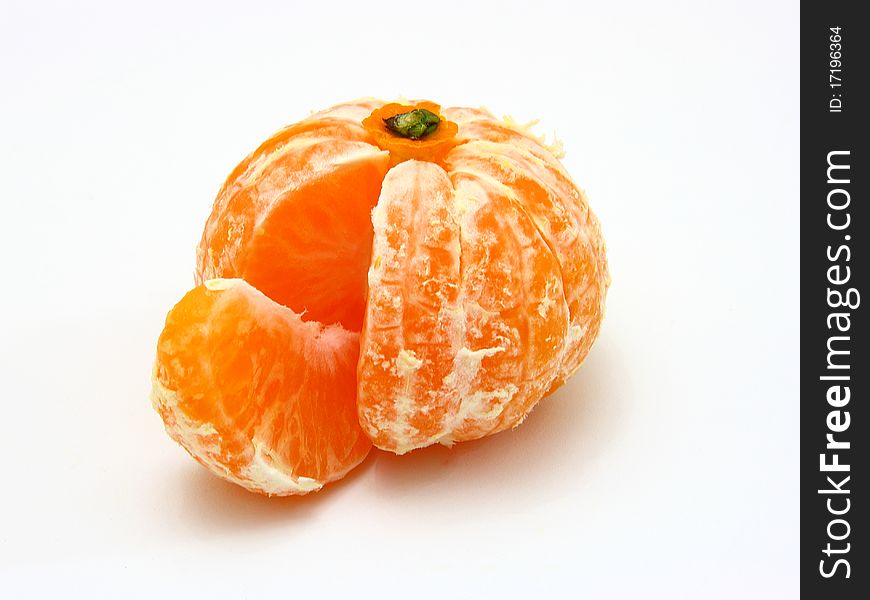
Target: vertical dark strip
835	364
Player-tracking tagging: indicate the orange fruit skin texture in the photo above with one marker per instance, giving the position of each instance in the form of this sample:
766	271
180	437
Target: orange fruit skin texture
357	288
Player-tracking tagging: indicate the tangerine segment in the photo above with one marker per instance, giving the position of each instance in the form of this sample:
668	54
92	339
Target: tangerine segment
516	316
257	395
295	223
413	326
586	294
330	126
478	124
342	121
466	319
562	215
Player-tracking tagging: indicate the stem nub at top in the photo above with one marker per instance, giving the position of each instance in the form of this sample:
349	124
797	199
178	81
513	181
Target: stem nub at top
412	131
414	124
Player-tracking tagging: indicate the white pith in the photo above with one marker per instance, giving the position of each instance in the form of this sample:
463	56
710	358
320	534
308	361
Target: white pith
202	441
475	406
484	407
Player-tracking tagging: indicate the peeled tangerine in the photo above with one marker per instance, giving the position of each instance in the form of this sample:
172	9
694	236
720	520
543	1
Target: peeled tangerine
394	274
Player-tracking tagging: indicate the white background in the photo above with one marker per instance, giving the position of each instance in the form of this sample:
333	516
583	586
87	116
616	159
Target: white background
668	467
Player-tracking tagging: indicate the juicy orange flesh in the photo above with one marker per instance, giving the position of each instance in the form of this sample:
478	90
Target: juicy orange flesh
516	314
556	206
326	127
314	249
526	264
254	371
417	204
553	214
309	247
486	302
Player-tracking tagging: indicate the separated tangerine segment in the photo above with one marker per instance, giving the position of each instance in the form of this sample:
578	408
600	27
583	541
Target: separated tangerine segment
257	395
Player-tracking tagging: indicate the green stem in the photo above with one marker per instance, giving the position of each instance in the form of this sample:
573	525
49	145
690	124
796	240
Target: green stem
414	124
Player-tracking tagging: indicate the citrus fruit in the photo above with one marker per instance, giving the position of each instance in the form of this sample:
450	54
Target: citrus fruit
294	221
486	288
255	394
390	272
